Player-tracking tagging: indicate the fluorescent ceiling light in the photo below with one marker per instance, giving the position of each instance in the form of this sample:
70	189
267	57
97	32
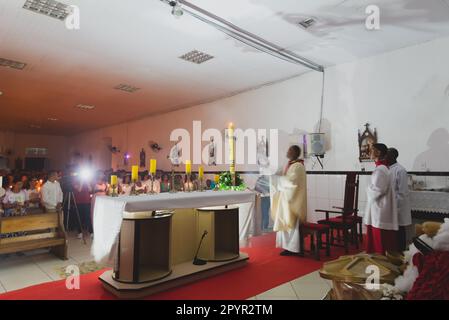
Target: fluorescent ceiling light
12	64
126	87
196	56
85	107
35	126
307	23
52	119
49	8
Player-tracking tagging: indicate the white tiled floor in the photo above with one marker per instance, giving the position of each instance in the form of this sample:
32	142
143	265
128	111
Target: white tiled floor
34	267
308	287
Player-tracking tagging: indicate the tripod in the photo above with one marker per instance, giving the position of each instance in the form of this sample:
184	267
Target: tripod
69	198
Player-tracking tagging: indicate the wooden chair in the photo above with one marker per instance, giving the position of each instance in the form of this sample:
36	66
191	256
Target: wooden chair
316	232
34	231
347	220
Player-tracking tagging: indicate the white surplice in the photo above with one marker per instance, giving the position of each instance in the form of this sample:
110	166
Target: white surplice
289	205
381	210
399	179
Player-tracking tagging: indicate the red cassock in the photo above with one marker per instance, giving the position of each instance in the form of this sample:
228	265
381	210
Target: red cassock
380	240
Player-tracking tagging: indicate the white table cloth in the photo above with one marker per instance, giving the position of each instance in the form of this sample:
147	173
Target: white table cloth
108	212
430	201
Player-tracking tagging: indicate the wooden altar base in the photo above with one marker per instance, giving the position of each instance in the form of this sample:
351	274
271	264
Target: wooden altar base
182	274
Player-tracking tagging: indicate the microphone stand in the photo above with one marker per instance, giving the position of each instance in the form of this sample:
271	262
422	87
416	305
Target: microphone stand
196	260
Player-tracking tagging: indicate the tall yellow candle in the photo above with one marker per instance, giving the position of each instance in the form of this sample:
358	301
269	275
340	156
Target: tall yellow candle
231	147
188	167
135	173
201	172
153	166
113	180
216	178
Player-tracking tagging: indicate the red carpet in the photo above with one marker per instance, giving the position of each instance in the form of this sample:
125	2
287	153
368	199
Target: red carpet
266	269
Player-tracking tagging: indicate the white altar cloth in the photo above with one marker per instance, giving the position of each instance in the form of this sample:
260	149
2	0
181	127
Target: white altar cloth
430	201
108	212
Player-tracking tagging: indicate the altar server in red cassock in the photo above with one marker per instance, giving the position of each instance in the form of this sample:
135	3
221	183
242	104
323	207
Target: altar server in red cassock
381	215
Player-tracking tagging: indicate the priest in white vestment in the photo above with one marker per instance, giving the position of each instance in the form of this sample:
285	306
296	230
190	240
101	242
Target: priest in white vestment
289	202
399	179
381	215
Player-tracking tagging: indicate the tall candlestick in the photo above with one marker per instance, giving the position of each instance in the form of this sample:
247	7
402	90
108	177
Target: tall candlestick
231	148
134	173
153	166
201	177
188	167
114	184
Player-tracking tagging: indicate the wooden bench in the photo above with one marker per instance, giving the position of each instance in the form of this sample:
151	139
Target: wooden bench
44	230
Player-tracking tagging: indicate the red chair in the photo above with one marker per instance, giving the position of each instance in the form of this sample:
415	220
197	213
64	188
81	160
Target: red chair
347	220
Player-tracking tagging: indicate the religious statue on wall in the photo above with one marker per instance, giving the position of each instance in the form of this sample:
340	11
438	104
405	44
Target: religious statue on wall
212	149
262	152
366	141
175	154
142	158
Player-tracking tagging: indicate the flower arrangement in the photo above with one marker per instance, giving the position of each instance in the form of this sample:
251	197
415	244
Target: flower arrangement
225	182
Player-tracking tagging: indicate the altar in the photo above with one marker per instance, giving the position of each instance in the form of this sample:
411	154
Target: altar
429	205
153	239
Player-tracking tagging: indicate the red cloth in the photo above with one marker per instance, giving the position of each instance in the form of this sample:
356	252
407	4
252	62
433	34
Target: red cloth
380	240
381	163
290	163
83	196
433	280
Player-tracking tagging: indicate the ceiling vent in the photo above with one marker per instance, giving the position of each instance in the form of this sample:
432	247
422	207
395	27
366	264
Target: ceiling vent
49	8
126	87
196	56
85	107
307	23
12	64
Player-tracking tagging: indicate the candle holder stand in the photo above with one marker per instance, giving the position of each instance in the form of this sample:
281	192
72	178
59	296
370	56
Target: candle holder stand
133	191
114	192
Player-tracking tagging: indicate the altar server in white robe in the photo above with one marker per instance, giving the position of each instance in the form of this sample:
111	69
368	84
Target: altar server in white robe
289	202
399	179
381	215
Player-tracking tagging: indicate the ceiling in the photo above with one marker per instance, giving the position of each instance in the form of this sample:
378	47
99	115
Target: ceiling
138	42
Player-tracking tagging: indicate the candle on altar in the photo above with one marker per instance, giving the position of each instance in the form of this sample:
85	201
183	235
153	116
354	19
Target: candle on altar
231	147
134	173
216	178
188	167
201	172
153	166
113	180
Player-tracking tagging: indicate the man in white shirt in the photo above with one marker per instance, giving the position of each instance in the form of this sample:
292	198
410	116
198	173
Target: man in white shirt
400	184
52	193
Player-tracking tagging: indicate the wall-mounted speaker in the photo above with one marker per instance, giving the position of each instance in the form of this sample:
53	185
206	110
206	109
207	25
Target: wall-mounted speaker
315	144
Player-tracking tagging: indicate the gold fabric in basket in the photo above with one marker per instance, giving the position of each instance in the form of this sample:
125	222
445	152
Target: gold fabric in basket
354	268
349	274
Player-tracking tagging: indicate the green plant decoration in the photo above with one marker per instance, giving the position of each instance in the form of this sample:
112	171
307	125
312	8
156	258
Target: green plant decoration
225	182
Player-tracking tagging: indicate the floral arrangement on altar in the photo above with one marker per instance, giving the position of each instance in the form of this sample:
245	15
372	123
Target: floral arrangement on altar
225	182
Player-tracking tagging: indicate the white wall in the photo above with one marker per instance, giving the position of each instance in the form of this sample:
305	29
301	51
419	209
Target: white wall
403	94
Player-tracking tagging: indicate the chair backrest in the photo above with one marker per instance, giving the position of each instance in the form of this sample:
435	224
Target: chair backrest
350	204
